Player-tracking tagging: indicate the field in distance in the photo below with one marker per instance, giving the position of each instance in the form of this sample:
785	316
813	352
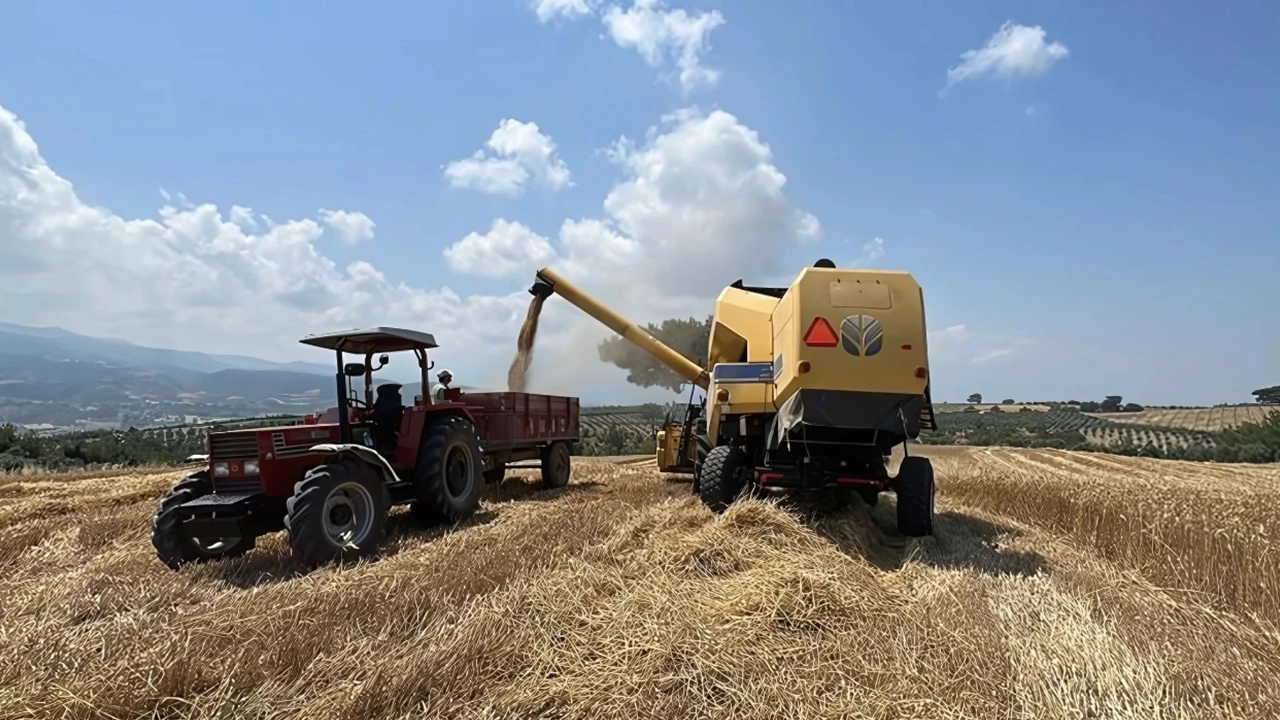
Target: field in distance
1207	419
1059	585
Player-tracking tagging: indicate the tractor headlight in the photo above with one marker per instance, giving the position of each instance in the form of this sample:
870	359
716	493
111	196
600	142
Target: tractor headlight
221	470
251	467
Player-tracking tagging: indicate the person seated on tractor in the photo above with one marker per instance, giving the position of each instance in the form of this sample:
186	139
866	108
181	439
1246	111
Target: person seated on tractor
385	418
445	377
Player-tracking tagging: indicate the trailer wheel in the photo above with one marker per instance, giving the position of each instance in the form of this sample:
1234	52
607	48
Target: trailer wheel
721	480
556	465
447	481
915	489
338	513
172	545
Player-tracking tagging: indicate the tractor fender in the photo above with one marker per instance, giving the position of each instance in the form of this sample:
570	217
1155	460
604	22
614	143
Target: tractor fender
365	453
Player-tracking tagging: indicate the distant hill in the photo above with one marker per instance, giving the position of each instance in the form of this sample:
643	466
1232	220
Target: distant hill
43	341
51	375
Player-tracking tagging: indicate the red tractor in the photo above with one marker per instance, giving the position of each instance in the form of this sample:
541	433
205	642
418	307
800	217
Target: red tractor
331	480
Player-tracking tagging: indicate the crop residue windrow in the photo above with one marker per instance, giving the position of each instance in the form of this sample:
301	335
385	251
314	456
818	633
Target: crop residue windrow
517	375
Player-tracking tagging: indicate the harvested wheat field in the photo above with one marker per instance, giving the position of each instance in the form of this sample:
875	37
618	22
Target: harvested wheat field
1206	419
1060	585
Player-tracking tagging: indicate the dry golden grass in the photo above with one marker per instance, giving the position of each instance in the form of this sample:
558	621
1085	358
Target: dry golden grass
1059	585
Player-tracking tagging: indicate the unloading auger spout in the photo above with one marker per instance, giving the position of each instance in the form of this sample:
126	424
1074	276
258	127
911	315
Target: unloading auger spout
548	282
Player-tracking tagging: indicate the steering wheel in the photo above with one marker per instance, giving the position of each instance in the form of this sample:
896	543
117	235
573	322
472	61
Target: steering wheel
357	403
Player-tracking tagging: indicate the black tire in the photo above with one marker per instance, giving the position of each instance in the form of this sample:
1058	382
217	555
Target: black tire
721	480
915	489
869	495
338	513
172	545
448	477
556	465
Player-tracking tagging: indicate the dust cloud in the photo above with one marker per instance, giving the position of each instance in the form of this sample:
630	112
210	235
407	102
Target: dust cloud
517	375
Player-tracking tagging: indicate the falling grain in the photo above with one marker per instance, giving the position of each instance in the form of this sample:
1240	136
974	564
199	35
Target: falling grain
517	375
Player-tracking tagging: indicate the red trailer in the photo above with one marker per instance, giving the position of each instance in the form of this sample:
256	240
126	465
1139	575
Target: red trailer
331	481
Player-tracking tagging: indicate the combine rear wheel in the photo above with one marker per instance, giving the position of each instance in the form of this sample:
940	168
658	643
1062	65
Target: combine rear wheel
721	480
172	545
447	482
556	465
338	512
915	489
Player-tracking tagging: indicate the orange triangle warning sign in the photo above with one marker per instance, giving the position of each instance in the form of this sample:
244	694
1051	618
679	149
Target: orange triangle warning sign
820	334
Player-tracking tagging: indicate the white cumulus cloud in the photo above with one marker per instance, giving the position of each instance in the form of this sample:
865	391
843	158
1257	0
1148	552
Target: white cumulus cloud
508	249
516	152
872	251
193	278
1013	50
700	204
352	227
548	10
666	37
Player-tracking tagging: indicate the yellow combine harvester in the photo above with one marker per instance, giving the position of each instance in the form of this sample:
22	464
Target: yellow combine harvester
808	387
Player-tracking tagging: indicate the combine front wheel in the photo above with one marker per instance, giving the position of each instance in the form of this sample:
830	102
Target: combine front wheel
720	480
172	545
337	513
915	489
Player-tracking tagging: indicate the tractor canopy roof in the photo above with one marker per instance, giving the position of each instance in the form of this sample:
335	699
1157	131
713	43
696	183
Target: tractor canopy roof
372	340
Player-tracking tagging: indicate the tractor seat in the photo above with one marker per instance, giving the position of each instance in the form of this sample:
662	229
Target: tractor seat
387	410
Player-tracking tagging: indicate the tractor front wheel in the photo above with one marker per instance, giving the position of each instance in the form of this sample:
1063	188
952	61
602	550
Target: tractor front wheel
172	545
556	465
721	480
915	489
338	513
447	481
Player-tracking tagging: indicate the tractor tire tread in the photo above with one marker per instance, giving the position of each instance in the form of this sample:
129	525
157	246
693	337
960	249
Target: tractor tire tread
432	504
167	538
305	525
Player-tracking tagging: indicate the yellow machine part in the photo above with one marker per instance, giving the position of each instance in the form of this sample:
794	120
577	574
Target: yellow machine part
764	358
668	451
875	319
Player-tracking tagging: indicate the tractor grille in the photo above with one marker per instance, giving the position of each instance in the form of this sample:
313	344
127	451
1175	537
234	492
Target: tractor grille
284	451
232	447
237	485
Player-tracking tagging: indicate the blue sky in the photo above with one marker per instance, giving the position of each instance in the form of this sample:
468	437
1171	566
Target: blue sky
1070	224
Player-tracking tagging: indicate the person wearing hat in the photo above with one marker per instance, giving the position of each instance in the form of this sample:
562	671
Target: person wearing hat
445	377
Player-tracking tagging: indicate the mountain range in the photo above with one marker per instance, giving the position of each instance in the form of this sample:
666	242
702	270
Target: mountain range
53	376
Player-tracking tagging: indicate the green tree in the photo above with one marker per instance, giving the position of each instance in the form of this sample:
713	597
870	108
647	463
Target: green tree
689	337
8	436
1268	396
1007	401
975	398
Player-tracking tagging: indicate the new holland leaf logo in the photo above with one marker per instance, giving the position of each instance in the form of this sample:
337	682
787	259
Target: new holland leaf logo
861	335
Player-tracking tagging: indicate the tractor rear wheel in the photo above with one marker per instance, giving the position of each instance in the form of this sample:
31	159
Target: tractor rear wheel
447	481
172	545
338	513
556	465
721	480
915	489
